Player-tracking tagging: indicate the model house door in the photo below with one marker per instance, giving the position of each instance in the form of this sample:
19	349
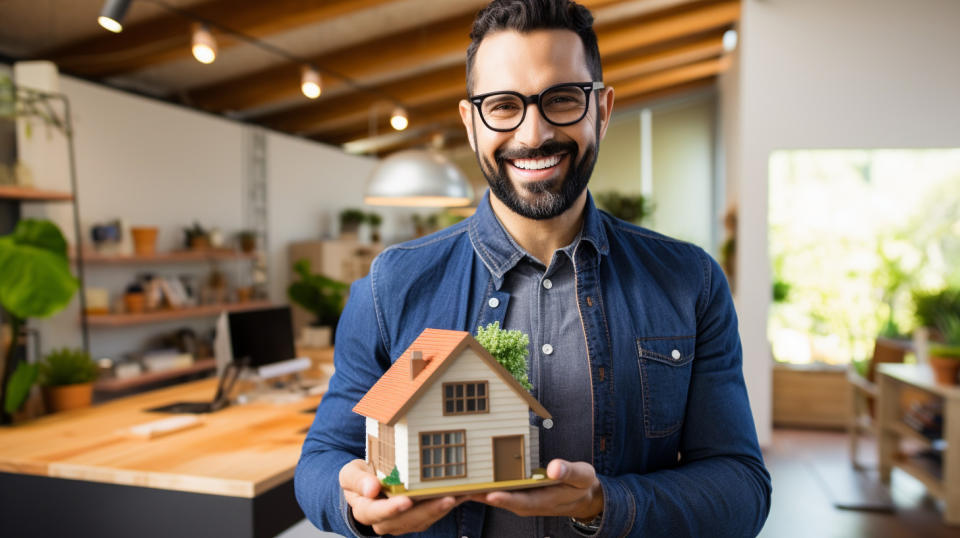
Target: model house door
508	458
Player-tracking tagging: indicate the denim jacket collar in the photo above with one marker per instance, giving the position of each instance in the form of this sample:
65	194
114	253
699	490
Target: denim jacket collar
499	252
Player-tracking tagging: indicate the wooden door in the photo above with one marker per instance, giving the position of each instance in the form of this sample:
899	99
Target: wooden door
508	458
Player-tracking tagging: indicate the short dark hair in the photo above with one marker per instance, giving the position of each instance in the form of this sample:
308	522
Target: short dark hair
529	15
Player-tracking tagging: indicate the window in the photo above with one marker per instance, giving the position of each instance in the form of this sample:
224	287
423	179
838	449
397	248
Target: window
443	454
465	398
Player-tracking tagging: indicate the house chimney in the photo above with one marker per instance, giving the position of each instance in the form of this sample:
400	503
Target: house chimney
416	364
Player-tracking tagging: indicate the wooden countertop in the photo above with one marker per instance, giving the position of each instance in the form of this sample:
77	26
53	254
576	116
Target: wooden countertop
240	451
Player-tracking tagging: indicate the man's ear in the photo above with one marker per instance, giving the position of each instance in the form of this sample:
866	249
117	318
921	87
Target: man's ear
466	116
606	109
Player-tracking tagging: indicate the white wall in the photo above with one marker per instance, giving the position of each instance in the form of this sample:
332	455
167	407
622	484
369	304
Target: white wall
828	74
162	165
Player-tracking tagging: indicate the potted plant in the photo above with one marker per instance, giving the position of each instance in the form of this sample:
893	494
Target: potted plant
930	307
196	237
35	281
322	297
945	357
374	220
350	221
67	377
631	208
134	298
248	240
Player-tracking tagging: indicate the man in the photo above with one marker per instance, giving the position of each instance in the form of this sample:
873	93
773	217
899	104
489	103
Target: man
634	343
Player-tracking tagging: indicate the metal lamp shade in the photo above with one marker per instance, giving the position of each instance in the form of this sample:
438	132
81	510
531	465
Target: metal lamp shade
418	178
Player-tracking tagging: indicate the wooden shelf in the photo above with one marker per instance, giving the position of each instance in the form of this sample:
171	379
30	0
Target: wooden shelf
903	430
924	472
122	320
177	256
30	194
119	385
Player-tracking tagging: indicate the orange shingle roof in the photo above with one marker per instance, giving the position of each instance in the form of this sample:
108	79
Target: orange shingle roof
393	394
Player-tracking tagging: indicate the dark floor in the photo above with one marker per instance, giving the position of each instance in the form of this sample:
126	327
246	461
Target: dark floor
806	465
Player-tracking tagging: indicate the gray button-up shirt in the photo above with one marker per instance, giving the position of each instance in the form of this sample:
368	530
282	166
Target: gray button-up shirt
543	304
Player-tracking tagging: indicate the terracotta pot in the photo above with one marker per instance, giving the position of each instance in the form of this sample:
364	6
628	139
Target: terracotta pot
135	302
248	243
945	369
144	240
67	397
199	242
244	293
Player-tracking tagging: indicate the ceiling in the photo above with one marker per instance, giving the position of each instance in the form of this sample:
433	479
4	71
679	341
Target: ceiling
373	55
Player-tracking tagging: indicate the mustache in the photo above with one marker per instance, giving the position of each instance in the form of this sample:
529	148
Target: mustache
548	148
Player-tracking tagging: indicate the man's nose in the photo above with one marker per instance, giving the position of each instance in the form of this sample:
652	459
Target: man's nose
534	129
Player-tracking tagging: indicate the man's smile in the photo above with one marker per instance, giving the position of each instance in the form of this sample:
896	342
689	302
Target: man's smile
537	169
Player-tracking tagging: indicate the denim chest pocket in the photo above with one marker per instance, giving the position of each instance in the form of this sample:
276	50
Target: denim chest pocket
665	367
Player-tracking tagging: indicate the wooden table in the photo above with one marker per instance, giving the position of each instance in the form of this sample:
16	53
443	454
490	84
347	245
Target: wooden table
942	482
81	473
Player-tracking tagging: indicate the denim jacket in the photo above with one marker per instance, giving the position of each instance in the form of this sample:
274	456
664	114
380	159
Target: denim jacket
674	444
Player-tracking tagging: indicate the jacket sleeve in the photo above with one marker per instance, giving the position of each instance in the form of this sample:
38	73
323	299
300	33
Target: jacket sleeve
337	434
720	486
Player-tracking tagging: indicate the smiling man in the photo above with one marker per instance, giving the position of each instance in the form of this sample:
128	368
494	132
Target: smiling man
634	343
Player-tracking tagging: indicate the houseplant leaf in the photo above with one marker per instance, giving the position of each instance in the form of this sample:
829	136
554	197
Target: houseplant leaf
35	278
18	387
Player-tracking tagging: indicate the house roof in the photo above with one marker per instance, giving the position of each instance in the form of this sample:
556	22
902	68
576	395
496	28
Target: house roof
394	393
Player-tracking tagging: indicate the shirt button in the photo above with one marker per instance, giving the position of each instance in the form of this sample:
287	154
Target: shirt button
675	354
547	349
493	302
547	423
547	283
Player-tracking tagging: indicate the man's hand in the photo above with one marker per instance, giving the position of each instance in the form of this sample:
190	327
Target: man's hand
579	495
396	515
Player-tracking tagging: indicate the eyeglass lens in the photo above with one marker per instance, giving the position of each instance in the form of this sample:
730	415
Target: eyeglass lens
562	105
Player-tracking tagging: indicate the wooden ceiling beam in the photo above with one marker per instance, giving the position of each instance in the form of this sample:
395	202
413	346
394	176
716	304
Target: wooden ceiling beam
332	128
167	37
627	93
445	84
438	44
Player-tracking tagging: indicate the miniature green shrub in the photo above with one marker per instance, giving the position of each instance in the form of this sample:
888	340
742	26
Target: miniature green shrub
393	479
509	348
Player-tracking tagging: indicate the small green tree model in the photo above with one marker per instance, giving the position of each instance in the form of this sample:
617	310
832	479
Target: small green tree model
393	479
509	348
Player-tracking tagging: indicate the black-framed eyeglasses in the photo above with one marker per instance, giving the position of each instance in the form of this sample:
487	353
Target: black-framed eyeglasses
561	104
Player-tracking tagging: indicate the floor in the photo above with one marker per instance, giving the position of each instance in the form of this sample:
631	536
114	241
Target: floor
806	465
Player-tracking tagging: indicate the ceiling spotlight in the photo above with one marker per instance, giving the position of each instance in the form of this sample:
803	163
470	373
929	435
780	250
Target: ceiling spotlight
310	82
398	120
204	45
730	40
112	13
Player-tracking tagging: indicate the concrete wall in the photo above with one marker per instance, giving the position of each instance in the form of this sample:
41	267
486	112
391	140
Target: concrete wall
827	74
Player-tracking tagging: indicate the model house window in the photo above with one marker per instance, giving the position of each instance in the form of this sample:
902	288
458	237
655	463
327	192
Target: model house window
443	454
465	398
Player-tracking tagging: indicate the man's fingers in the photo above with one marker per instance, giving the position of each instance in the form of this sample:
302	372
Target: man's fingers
358	476
373	511
417	519
577	474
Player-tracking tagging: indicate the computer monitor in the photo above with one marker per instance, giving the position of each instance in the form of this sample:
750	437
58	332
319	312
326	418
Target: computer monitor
263	340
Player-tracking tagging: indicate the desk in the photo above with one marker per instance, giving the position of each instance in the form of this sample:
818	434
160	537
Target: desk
79	474
942	482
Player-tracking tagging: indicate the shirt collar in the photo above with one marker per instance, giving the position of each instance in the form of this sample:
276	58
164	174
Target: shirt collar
500	253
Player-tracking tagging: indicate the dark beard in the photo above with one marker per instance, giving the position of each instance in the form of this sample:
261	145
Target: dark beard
549	201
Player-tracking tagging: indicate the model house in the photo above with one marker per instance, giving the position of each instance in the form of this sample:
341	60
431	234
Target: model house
448	414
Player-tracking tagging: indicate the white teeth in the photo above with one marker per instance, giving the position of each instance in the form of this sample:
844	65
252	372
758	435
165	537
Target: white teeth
537	164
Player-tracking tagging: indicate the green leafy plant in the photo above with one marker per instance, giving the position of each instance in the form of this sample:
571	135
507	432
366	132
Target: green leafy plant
631	208
28	104
949	326
194	232
35	281
67	367
510	348
392	479
351	219
930	307
320	295
373	219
